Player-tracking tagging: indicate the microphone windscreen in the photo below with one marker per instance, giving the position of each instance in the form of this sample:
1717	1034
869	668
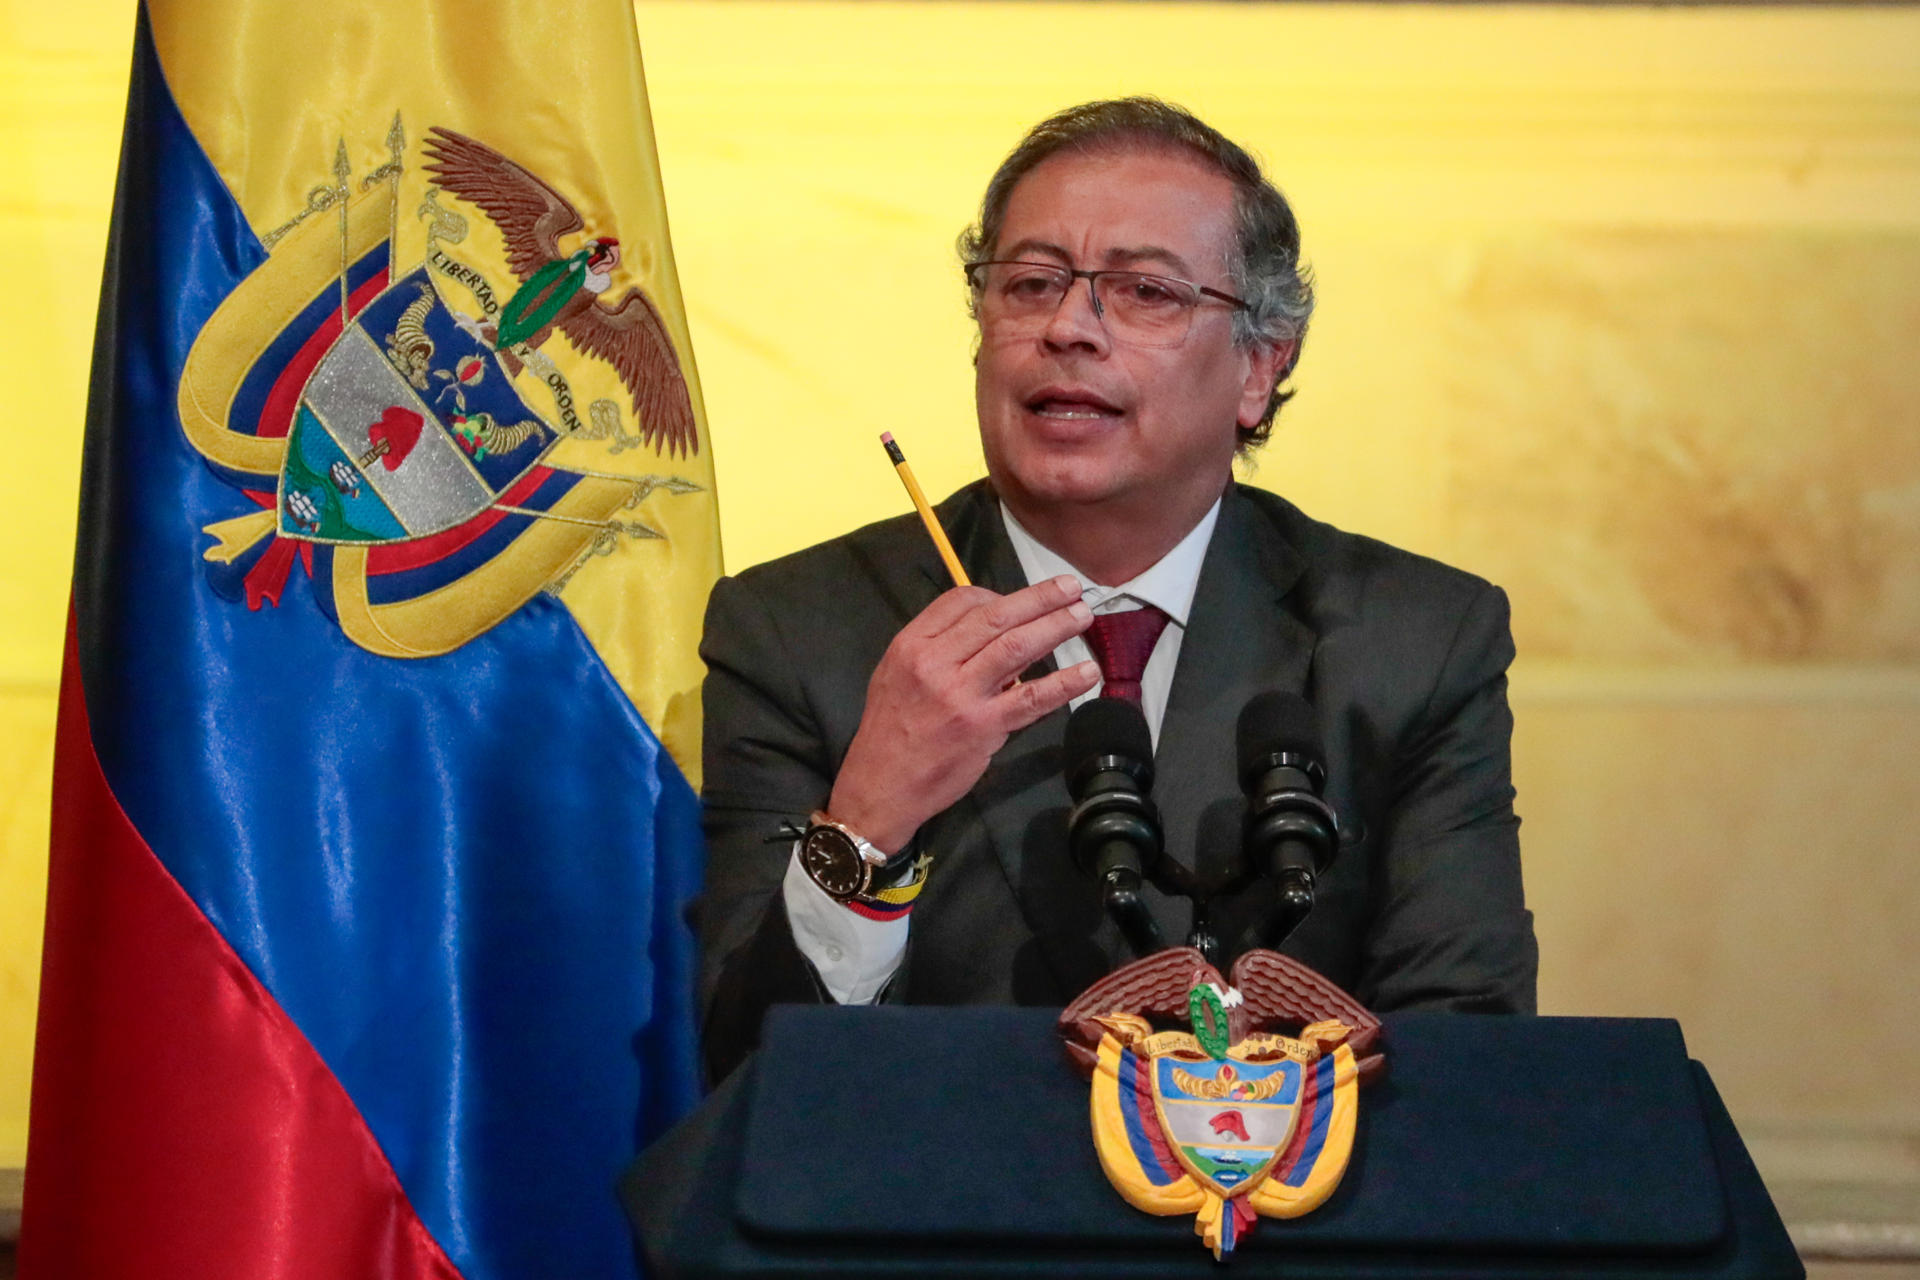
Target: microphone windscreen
1272	724
1105	727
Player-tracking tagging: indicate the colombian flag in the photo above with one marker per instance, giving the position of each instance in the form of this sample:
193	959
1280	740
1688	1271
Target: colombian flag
375	791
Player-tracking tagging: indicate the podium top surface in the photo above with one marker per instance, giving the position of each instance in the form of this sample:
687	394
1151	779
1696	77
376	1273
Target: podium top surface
1489	1134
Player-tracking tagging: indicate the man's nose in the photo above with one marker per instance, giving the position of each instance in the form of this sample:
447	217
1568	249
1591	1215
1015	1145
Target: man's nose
1076	321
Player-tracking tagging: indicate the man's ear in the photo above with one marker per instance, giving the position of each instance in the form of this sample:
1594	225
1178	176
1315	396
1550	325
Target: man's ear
1266	362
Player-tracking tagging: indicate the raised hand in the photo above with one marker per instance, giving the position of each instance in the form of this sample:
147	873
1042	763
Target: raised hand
946	696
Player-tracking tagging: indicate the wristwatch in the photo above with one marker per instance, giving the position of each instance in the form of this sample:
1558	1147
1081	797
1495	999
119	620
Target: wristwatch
838	858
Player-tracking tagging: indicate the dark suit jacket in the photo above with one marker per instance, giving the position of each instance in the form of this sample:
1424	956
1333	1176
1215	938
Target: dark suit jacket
1403	658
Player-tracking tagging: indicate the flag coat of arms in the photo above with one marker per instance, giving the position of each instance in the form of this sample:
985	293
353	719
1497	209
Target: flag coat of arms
375	795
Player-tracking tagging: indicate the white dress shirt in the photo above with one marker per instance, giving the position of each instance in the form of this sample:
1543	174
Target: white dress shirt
856	957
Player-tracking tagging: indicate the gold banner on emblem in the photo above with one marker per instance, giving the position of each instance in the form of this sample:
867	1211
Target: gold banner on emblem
303	265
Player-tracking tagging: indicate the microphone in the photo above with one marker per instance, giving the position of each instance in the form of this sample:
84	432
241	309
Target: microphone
1290	831
1114	829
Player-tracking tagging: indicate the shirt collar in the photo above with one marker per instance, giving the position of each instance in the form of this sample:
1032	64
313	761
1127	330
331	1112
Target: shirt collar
1168	585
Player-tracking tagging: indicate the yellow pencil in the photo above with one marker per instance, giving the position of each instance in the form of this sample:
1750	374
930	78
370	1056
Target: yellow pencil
927	517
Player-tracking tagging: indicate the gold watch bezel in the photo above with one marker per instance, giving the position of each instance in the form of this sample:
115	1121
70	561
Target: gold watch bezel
837	858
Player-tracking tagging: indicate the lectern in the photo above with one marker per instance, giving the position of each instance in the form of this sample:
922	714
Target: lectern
924	1142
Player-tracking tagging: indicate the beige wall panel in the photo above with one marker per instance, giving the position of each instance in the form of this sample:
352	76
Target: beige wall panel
1713	438
1738	852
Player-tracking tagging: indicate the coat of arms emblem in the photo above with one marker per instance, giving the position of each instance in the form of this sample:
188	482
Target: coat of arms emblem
399	428
1228	1121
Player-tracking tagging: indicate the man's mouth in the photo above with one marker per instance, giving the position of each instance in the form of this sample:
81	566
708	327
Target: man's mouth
1053	403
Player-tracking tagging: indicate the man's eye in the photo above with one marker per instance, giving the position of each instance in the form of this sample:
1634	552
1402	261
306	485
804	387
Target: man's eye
1147	292
1031	286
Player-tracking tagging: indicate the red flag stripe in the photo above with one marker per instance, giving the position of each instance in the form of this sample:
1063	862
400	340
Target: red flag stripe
182	1126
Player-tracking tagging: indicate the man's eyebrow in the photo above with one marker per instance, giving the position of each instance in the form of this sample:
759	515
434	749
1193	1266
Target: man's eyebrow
1115	258
1134	257
1029	247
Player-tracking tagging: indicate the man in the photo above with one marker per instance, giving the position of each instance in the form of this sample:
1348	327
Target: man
1137	285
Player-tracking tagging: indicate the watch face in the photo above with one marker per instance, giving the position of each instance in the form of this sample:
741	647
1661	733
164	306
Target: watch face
831	859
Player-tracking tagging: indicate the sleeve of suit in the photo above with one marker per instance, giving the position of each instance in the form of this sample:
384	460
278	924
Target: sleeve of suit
1451	929
767	765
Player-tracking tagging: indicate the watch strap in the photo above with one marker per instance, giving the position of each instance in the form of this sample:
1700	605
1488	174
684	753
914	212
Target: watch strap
896	901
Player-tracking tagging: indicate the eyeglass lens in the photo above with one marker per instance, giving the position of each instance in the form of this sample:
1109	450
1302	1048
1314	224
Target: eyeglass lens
1018	299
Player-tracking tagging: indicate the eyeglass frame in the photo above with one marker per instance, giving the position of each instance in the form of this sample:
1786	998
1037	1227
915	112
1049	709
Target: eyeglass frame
1093	287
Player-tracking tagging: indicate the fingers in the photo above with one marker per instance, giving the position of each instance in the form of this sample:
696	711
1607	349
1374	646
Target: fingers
1029	700
1008	654
948	608
989	639
973	629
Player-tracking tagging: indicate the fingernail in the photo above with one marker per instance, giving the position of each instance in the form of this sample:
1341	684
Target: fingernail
1080	613
1068	584
1088	670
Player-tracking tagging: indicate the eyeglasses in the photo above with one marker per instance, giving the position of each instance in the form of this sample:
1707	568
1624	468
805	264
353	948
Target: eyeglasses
1019	299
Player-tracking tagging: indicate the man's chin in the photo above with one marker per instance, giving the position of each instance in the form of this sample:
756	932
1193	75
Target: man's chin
1070	483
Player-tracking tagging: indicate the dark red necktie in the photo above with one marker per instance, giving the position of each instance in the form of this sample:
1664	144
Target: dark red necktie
1121	644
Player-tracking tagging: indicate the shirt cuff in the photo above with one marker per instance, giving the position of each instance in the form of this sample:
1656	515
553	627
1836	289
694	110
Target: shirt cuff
855	956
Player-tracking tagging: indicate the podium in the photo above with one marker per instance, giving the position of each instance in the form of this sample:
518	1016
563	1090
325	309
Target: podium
931	1142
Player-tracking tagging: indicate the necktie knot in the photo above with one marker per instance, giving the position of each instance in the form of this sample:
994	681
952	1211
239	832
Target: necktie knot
1121	644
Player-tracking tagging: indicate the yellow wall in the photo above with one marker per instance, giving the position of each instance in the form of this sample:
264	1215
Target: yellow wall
63	87
1618	308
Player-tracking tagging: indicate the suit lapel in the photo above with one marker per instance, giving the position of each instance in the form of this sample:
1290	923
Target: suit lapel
1240	640
971	518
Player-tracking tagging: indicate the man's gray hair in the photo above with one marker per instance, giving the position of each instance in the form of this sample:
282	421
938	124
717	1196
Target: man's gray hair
1264	262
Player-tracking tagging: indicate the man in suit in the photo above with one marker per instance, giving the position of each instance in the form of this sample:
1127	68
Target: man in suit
885	812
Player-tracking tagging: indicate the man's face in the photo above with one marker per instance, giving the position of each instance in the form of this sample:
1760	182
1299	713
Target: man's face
1070	416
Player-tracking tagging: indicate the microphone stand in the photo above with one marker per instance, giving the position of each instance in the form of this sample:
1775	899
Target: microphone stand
1177	881
1126	907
